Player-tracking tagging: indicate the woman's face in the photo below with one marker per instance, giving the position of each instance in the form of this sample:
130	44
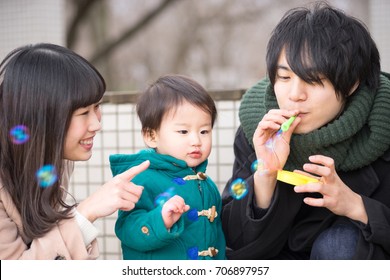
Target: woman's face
317	104
84	125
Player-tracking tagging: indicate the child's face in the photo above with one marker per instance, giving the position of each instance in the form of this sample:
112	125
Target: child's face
317	104
185	133
84	124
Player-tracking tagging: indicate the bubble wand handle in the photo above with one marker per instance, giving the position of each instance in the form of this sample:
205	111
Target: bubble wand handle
286	125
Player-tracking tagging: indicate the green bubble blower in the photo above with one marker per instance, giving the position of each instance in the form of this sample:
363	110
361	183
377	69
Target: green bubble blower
286	125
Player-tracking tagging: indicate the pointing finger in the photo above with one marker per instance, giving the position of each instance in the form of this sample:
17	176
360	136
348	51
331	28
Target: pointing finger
132	172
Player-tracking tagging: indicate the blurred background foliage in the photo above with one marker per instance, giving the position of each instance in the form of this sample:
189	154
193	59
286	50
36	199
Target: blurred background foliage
220	43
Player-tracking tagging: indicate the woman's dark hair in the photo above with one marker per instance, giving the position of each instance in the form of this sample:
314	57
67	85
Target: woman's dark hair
167	93
40	87
324	42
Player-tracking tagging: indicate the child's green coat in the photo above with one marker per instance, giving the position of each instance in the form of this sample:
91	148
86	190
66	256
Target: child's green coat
142	231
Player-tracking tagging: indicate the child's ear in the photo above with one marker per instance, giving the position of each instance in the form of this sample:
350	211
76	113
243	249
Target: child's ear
150	138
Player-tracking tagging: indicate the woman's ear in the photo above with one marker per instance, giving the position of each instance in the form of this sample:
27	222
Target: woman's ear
150	138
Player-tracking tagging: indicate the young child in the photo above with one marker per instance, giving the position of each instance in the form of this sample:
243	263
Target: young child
178	214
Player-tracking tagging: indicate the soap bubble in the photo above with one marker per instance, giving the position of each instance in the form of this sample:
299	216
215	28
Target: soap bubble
192	253
192	215
19	134
258	165
270	144
164	197
46	175
179	181
238	189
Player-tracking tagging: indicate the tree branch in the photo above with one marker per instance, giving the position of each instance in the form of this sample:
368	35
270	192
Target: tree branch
107	49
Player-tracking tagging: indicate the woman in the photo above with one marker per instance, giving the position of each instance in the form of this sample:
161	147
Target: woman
49	114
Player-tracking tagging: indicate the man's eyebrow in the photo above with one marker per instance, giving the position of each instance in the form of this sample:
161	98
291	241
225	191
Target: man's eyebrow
283	67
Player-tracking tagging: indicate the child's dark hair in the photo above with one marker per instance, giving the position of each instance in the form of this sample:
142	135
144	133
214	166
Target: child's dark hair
323	42
167	93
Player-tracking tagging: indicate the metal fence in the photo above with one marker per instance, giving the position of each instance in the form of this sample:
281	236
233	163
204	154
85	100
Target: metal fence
121	133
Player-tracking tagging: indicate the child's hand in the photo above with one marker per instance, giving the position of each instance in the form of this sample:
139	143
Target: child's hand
173	209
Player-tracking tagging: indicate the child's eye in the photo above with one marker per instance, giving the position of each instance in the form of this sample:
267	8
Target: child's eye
183	131
204	132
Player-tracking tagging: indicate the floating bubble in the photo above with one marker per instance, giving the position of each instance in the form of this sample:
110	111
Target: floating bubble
238	189
179	181
46	175
192	253
279	133
258	165
192	215
164	197
255	166
19	134
270	144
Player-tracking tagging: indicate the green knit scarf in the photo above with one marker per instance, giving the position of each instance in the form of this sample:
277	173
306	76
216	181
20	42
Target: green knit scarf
359	136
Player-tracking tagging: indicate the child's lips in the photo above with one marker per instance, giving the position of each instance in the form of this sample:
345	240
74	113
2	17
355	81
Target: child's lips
196	154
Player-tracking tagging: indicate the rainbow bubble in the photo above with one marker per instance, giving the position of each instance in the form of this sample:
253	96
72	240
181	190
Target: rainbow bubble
46	176
255	165
192	253
164	197
192	215
19	134
258	165
179	181
270	144
238	189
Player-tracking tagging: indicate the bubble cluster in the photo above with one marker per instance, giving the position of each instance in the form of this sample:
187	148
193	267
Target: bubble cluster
19	134
238	189
46	176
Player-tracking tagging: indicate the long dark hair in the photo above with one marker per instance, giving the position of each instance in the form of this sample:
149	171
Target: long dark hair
40	87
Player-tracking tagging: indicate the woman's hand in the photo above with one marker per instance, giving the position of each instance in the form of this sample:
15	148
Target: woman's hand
337	196
118	193
172	210
272	147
